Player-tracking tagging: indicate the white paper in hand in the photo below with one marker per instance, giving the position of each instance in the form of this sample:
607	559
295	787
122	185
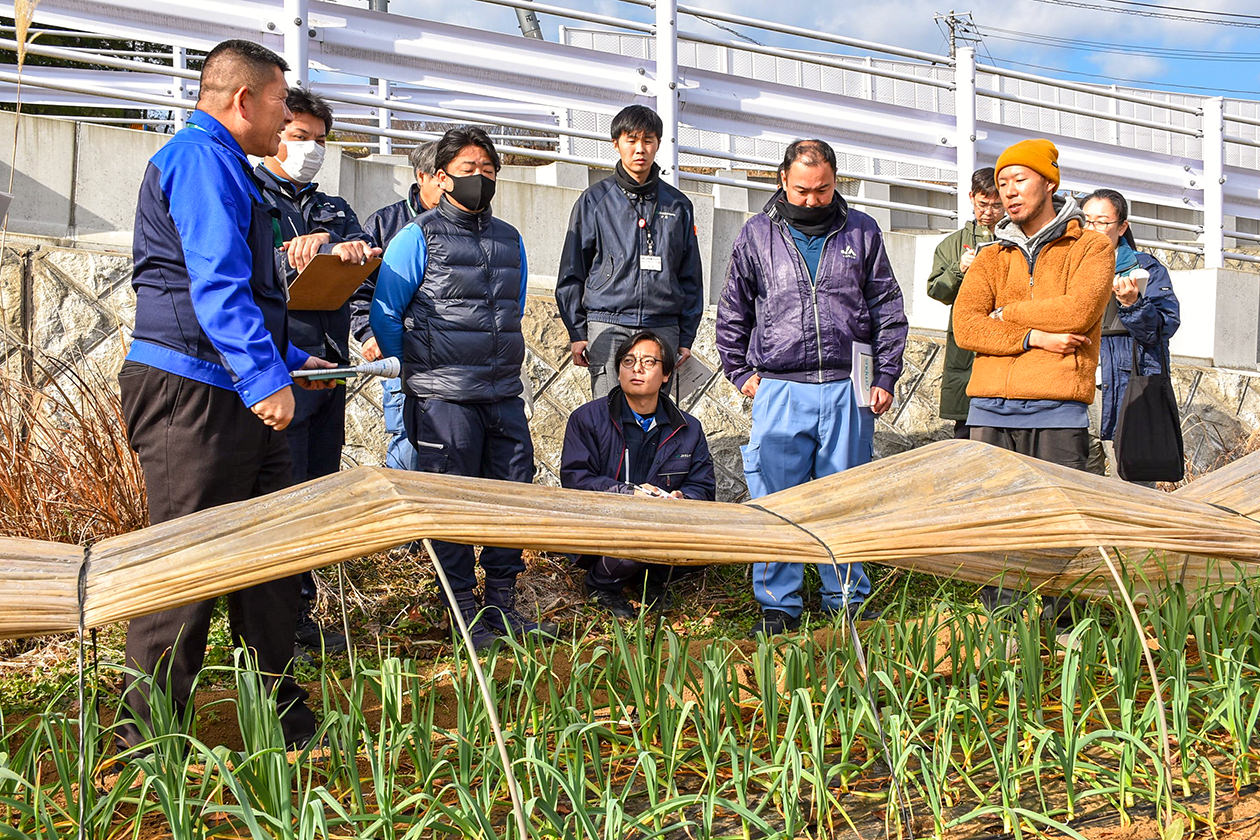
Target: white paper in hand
863	372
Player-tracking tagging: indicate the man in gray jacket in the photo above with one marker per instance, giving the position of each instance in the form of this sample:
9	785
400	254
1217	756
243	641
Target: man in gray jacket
808	280
630	260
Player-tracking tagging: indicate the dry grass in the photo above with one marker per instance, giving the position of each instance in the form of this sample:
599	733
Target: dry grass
67	473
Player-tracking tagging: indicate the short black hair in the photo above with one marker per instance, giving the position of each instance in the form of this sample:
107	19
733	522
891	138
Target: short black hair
304	102
809	152
236	64
1119	205
422	157
637	119
983	181
667	352
458	138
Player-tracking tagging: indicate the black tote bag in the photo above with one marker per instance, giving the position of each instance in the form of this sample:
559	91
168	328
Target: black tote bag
1148	430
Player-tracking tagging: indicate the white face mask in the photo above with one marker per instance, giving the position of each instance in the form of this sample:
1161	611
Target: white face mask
302	160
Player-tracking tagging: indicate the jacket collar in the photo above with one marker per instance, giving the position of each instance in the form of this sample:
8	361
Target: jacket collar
219	132
414	205
617	405
1066	212
771	211
462	218
275	183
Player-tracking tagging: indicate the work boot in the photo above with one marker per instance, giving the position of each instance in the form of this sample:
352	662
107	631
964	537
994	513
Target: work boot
311	637
483	635
773	623
615	602
501	614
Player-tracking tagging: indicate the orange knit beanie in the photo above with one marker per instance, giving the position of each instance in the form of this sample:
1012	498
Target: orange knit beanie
1038	155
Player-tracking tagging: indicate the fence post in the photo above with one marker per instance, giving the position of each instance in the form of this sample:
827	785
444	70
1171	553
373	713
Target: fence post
667	87
1214	182
295	26
179	61
383	115
965	126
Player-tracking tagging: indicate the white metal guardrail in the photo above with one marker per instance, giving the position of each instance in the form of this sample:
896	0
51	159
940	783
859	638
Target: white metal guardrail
423	70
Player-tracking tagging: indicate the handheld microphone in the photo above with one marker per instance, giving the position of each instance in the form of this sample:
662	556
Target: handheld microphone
387	368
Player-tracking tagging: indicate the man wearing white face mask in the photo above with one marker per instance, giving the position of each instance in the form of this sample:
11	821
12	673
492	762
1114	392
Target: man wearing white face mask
310	222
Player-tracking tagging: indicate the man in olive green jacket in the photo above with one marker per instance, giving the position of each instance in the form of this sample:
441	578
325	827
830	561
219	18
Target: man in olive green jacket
949	265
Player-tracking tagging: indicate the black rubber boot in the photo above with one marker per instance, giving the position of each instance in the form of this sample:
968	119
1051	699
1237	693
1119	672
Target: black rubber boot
481	631
501	612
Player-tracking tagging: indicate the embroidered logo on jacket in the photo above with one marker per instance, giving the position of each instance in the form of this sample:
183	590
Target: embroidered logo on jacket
848	253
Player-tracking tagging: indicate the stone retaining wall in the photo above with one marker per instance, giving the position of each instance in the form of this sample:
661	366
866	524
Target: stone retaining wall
77	304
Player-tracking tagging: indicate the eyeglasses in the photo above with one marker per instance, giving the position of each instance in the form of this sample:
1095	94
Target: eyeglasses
988	207
1099	223
631	362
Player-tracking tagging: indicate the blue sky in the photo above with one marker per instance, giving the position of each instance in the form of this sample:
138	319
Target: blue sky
1139	43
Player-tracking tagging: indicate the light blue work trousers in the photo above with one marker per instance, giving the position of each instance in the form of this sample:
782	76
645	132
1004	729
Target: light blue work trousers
400	455
802	431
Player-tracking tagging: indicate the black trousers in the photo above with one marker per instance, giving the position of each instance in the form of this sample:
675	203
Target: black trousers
315	436
482	440
613	574
1066	447
199	447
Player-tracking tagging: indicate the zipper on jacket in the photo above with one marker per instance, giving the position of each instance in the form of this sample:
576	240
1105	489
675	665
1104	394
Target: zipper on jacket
813	285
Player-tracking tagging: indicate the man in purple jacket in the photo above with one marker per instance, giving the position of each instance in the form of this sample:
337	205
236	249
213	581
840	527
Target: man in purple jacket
808	277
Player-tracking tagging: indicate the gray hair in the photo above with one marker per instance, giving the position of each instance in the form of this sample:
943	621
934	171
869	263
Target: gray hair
423	158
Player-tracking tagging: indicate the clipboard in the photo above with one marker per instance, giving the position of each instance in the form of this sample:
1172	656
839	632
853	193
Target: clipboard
862	372
327	283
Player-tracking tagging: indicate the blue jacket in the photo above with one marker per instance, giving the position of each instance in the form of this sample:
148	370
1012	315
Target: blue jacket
600	277
382	226
594	455
773	321
209	304
1151	320
304	209
449	302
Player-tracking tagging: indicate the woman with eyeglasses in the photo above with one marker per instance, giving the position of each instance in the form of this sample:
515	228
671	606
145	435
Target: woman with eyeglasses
635	441
1143	308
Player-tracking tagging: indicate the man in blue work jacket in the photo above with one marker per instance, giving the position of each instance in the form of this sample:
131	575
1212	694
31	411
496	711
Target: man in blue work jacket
206	390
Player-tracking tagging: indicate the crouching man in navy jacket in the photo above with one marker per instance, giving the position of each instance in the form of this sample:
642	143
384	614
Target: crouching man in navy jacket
635	441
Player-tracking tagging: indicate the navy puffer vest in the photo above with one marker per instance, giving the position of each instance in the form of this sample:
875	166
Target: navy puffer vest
462	337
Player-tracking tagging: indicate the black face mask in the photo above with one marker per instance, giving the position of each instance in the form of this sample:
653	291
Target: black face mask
812	221
472	191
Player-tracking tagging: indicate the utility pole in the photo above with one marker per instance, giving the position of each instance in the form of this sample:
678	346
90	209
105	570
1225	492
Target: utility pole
959	26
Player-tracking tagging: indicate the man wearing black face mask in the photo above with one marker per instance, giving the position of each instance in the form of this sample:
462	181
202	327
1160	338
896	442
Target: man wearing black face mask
808	279
448	302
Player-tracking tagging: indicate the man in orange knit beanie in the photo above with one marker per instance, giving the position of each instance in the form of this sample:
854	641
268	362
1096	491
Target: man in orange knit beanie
1031	308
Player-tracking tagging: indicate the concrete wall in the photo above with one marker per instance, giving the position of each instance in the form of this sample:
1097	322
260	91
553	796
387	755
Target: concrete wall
78	182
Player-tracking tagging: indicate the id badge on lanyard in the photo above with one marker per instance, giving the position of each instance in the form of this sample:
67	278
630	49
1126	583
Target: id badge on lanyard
650	261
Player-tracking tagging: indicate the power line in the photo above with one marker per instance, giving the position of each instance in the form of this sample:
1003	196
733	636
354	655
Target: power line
1184	9
1078	4
1111	78
1170	53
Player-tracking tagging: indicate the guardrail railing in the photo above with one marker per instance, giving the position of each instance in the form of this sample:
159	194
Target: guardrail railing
439	64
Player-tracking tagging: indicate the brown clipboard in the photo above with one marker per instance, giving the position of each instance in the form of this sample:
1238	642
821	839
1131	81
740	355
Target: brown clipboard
327	283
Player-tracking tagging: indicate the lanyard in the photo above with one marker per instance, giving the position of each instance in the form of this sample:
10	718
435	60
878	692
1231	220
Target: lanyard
646	224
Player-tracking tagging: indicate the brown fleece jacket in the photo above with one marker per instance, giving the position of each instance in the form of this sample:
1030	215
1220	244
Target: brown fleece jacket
1067	293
